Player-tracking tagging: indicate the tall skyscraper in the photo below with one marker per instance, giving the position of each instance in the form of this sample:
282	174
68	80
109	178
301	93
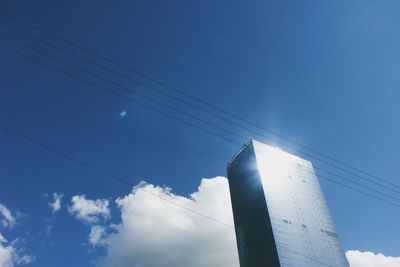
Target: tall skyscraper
281	218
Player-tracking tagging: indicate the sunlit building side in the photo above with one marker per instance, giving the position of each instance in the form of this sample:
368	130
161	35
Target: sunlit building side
281	218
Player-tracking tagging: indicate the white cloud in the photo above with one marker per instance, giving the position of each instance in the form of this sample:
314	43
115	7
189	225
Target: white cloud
55	205
89	211
369	259
10	255
6	217
24	259
154	232
6	253
96	234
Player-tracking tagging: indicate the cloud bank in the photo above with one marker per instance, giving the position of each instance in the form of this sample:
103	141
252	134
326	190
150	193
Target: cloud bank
154	232
369	259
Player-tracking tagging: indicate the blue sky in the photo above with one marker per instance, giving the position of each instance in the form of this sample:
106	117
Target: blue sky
322	73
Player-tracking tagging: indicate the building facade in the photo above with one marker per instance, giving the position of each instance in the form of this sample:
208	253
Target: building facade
281	218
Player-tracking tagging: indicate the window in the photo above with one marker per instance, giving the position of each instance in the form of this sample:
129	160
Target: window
329	233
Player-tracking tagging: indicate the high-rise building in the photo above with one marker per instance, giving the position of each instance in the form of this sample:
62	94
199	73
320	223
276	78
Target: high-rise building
281	218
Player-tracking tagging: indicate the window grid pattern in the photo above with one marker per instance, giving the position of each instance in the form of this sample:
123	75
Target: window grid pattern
301	223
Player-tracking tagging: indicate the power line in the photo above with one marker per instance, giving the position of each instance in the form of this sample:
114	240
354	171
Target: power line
309	171
120	95
359	191
353	182
156	101
103	172
126	182
141	104
185	94
114	72
163	104
127	98
356	175
121	180
124	87
65	62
